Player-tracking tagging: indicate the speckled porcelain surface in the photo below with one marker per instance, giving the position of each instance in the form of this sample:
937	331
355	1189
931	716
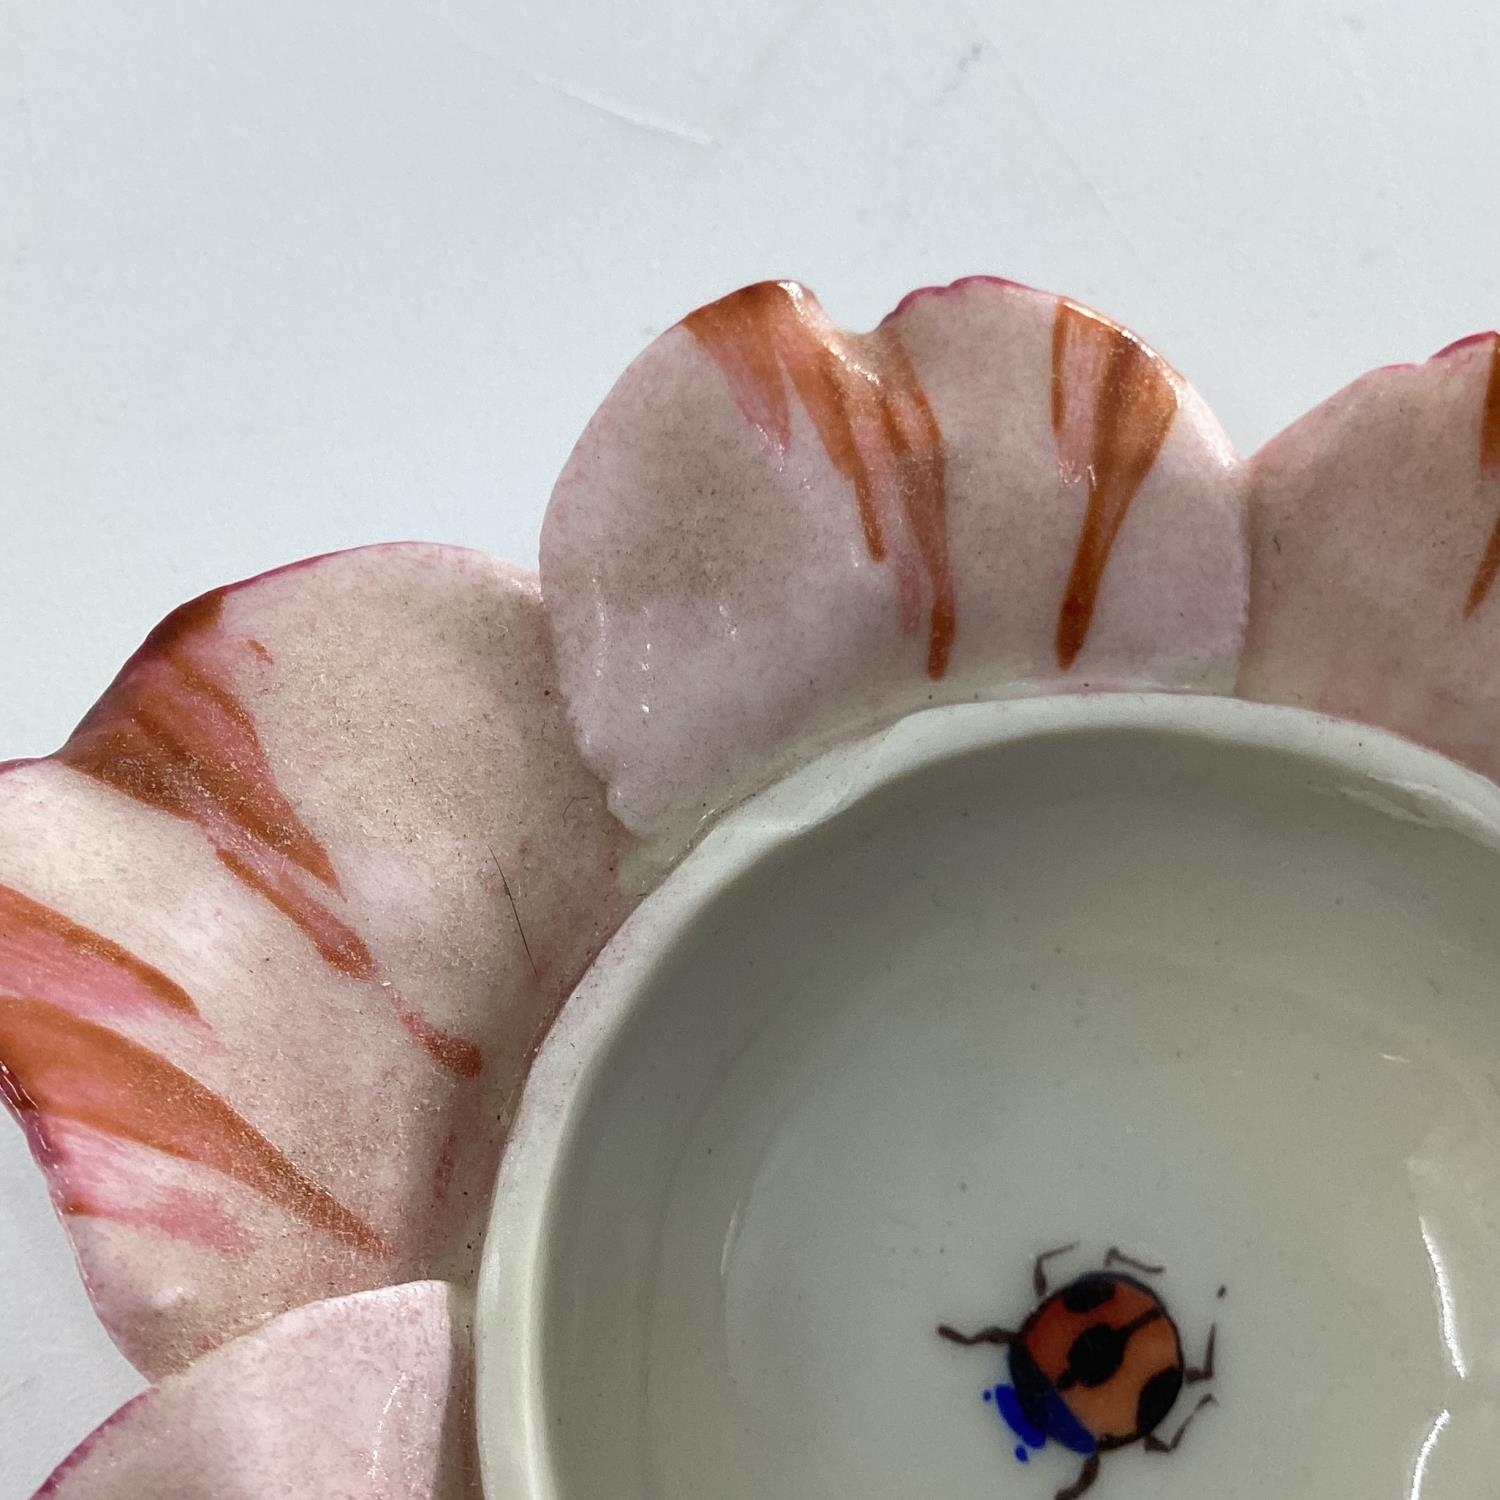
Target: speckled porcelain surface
284	922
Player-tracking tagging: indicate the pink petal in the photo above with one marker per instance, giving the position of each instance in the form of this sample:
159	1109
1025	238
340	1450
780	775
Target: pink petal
366	1396
1376	540
280	927
775	535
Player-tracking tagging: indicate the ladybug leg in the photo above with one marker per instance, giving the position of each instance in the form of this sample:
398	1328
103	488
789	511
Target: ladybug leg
984	1336
1039	1267
1155	1445
1085	1481
1116	1257
1205	1371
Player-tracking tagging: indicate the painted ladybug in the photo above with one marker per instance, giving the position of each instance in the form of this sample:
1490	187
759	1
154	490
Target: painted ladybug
1097	1366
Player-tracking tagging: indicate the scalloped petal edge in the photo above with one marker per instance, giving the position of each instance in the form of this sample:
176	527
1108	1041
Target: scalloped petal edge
260	1416
280	927
775	535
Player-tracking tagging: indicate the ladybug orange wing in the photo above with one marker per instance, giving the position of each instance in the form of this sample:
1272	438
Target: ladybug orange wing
1098	1298
1141	1391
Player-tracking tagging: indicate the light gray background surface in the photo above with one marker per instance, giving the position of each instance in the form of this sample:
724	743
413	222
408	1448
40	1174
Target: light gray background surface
290	276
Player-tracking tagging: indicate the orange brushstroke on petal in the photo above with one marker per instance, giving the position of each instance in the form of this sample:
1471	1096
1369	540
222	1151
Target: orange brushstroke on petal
452	1052
45	953
341	948
1489	468
871	416
741	334
840	397
1113	403
59	1066
338	945
921	471
172	733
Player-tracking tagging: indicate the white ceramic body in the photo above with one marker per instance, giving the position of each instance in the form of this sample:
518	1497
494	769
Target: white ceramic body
1208	981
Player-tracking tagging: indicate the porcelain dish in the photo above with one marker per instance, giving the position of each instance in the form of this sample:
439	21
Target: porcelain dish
936	806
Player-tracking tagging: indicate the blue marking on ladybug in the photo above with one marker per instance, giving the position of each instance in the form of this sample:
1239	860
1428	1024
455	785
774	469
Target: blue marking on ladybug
1035	1412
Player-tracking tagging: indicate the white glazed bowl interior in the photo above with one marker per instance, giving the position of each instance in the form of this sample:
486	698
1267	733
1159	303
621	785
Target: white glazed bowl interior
1212	982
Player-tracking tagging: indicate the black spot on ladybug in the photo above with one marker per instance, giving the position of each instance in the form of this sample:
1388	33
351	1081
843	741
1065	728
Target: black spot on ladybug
1095	1356
1157	1396
1087	1293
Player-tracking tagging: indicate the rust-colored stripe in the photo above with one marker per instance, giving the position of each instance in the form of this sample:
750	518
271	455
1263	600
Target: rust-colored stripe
172	733
59	1066
914	438
1489	467
866	405
338	945
454	1053
341	948
834	393
44	952
1113	403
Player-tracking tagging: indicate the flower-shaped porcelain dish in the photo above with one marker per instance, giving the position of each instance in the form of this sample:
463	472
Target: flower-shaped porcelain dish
1187	957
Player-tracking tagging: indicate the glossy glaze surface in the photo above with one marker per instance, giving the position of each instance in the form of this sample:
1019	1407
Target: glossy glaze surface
1207	981
283	923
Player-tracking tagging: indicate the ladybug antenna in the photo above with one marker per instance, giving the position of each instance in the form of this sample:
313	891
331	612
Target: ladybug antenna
1039	1267
1116	1257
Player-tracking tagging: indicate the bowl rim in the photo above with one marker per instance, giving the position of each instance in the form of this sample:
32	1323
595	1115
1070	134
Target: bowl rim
1395	775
